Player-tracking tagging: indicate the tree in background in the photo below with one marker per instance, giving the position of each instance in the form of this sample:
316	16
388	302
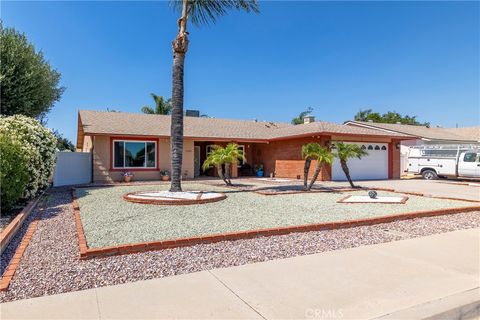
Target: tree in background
29	85
221	157
389	117
162	106
313	151
301	116
63	144
199	12
345	151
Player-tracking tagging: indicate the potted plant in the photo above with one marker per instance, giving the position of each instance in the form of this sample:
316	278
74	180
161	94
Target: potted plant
259	170
127	176
165	175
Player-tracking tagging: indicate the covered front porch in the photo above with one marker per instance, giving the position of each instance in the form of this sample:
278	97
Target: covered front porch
252	152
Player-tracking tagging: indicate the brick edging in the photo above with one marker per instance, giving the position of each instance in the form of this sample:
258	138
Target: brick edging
176	202
82	241
342	200
88	253
11	230
15	261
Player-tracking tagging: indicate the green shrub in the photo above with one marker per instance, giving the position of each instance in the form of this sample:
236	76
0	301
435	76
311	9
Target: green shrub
13	172
38	144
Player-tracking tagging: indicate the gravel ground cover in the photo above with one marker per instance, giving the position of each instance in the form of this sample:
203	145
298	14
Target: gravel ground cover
51	262
108	220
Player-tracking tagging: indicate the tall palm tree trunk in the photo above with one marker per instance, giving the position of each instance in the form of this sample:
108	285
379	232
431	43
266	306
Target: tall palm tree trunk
180	46
345	169
318	168
306	168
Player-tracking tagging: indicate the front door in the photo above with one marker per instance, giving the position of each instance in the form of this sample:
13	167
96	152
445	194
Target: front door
196	160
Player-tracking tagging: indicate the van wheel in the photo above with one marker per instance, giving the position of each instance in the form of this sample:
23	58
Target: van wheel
429	175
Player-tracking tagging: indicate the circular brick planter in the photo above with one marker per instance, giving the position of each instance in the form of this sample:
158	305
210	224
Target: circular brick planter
174	198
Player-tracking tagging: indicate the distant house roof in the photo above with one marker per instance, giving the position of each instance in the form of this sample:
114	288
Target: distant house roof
471	134
137	124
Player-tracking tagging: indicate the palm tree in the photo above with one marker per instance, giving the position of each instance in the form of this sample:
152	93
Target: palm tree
162	106
221	157
199	12
345	151
313	151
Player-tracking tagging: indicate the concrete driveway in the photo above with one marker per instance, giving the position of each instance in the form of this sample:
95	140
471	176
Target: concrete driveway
439	188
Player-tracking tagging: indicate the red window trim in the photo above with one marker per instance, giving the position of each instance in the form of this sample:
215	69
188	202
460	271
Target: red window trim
156	140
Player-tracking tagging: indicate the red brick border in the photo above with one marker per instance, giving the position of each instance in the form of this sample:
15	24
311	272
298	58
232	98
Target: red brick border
15	261
11	230
86	253
177	202
342	200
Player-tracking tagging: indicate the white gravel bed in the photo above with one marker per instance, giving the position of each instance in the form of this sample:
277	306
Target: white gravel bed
51	262
109	220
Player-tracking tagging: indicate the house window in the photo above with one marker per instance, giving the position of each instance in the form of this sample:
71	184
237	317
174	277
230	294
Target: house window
210	148
377	147
134	154
384	148
244	160
370	147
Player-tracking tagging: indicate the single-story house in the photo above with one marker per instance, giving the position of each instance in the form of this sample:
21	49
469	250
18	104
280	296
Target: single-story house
434	136
140	143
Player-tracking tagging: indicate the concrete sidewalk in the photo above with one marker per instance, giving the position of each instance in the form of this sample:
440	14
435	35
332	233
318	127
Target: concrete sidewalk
415	278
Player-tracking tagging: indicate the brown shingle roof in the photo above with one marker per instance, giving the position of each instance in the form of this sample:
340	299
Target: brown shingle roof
423	131
122	123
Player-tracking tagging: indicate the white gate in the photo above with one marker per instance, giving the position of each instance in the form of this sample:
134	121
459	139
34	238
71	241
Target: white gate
72	168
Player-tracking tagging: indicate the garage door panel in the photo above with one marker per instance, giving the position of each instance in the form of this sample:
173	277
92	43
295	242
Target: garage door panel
371	167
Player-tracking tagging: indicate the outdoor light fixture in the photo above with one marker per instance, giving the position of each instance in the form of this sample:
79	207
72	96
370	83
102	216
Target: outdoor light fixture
397	145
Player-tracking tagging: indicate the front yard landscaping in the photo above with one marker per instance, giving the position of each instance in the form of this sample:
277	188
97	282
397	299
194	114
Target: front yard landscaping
51	263
108	220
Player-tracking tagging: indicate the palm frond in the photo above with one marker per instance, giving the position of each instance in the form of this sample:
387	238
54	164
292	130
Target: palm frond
207	11
148	110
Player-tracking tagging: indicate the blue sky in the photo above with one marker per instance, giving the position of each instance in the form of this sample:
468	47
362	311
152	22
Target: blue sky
419	58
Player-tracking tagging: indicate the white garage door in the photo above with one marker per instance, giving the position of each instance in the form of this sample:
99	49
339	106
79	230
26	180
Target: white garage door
374	166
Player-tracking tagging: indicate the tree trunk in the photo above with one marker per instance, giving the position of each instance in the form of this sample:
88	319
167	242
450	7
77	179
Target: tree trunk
180	46
318	167
306	168
220	173
345	169
227	174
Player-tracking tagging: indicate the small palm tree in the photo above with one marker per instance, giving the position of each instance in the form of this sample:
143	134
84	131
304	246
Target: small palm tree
345	151
221	157
162	106
313	151
198	12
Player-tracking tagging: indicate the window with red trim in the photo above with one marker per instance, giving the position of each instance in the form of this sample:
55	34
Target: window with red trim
134	154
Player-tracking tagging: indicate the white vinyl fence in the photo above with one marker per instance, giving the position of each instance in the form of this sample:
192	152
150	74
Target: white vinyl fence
72	168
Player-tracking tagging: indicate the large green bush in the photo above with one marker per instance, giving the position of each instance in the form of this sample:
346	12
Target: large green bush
13	171
39	146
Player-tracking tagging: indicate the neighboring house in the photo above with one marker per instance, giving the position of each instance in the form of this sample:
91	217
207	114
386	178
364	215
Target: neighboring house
426	136
140	143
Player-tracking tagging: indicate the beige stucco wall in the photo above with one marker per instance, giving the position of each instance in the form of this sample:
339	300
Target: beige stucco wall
102	162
